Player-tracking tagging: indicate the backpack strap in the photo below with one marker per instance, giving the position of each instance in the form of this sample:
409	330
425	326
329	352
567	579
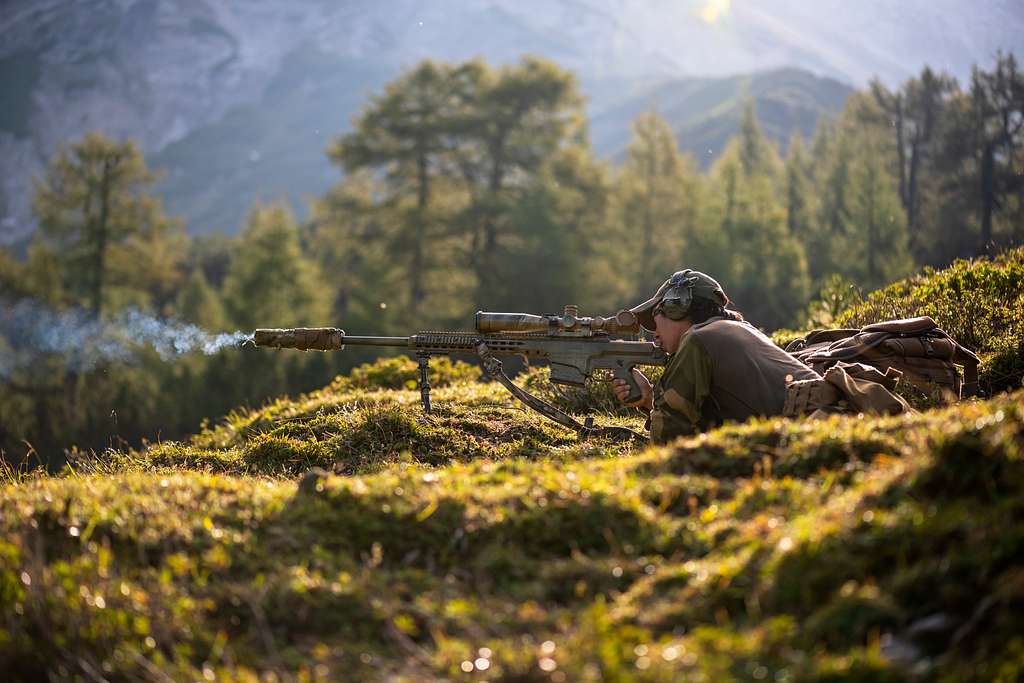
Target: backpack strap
970	361
905	326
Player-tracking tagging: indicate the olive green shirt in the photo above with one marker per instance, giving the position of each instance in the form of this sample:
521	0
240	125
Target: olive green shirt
723	370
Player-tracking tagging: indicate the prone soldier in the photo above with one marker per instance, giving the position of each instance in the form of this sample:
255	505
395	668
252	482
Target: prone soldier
720	367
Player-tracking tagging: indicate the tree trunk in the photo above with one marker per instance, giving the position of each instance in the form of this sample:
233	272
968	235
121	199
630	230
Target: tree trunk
911	204
416	292
988	196
101	235
648	230
486	263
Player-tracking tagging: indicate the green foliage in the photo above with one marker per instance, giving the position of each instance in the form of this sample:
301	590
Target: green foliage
764	268
270	282
405	132
563	240
835	297
951	150
800	199
977	302
657	203
460	147
114	244
199	303
856	227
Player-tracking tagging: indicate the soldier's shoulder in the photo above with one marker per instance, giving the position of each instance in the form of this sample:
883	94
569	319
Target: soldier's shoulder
690	349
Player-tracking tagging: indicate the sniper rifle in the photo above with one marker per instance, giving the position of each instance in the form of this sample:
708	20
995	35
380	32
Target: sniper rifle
574	347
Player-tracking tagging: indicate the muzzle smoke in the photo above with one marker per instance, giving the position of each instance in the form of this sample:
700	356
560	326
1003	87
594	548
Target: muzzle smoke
29	332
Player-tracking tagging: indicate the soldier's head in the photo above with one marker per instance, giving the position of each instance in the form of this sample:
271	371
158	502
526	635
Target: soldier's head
686	299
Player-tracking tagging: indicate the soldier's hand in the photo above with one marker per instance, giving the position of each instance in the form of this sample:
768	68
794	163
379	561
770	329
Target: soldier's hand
621	389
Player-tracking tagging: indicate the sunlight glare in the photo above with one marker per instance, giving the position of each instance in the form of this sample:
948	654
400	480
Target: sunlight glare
714	10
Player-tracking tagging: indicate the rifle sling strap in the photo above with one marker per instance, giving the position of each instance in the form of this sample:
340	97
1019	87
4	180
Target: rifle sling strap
493	367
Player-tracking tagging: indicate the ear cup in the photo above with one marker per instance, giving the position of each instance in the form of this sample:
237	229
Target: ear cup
676	303
673	311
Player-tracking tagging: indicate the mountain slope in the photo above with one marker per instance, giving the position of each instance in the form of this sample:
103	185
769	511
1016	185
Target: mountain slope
165	72
706	113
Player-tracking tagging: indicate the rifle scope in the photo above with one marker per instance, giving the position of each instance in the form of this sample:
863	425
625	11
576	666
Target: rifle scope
567	324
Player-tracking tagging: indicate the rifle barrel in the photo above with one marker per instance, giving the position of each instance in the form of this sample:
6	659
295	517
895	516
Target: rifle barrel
319	339
355	340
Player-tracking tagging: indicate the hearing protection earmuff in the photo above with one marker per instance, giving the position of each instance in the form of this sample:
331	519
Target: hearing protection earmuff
676	302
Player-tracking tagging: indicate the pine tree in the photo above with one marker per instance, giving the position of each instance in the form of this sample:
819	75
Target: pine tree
877	249
800	200
270	282
517	119
92	205
758	156
766	272
997	113
656	201
912	118
560	240
200	304
860	233
405	131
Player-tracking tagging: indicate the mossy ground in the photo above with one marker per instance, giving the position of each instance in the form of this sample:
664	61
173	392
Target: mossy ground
481	543
485	543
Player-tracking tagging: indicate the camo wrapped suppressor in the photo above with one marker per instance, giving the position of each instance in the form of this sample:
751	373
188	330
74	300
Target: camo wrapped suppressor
302	338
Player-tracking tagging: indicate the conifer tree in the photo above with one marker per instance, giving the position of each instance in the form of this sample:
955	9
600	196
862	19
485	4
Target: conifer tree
997	121
657	201
561	218
860	232
876	252
758	156
92	205
200	304
766	272
404	131
270	282
913	116
517	119
799	190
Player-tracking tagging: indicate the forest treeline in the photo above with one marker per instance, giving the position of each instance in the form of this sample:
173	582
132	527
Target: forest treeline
466	186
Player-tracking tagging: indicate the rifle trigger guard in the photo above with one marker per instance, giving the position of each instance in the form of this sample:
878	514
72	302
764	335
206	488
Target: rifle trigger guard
493	367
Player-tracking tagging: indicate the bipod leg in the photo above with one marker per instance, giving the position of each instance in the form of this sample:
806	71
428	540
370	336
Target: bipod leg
424	359
493	367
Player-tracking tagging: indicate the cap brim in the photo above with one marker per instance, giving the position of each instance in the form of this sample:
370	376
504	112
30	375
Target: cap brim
645	312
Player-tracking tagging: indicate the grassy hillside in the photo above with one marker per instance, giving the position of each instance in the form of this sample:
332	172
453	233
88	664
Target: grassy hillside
483	543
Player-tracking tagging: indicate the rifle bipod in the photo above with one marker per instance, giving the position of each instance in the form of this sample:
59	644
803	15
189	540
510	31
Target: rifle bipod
424	359
494	369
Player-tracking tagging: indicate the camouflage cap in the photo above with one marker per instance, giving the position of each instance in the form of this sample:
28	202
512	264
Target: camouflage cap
701	287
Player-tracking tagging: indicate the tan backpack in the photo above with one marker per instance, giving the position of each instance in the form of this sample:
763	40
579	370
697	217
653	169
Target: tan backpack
925	355
846	388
